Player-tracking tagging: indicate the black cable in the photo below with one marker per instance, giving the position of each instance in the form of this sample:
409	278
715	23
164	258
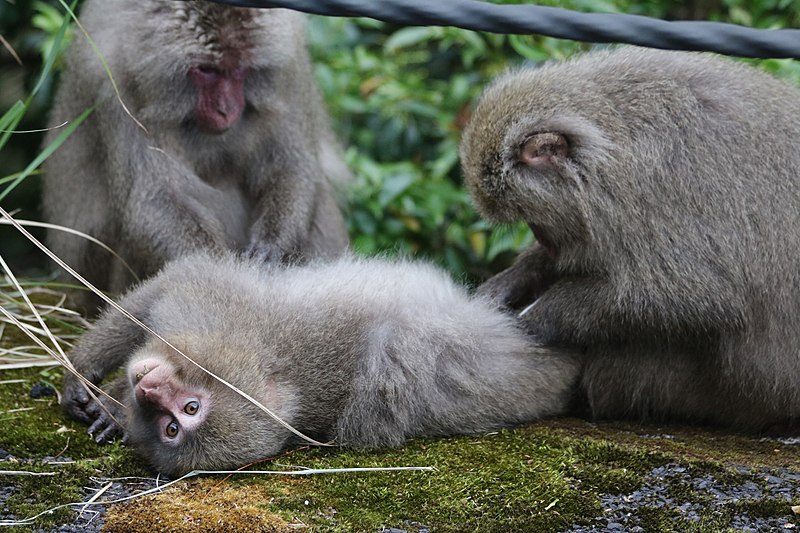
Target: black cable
728	39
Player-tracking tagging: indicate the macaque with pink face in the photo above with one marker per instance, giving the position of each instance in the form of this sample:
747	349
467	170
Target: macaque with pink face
234	150
360	352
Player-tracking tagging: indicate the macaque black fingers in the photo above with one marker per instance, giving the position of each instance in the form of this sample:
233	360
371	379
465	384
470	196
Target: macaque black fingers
106	428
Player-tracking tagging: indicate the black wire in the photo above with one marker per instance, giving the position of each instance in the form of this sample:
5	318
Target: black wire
728	39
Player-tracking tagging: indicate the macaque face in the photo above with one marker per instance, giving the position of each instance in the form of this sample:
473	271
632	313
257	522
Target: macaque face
176	408
181	419
220	96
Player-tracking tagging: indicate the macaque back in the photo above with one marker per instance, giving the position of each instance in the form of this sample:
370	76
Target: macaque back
232	149
664	192
362	352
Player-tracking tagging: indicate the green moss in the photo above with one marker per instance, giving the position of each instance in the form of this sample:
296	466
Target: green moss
40	439
35	428
544	477
496	482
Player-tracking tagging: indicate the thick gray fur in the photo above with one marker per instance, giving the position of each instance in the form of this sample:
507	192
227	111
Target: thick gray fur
365	352
263	187
673	223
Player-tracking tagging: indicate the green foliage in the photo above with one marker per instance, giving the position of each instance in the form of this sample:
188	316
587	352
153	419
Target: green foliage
37	33
49	20
400	98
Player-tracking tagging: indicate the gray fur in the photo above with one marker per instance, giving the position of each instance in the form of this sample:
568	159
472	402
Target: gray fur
365	352
675	221
263	187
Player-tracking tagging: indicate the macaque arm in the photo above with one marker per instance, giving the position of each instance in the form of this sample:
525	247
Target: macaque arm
283	218
160	201
585	311
171	208
289	185
524	281
105	348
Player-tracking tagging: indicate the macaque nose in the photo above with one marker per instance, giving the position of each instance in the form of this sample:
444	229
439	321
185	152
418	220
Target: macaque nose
151	395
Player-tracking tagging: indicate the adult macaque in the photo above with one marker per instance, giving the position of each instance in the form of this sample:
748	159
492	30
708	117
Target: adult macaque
366	353
664	191
237	152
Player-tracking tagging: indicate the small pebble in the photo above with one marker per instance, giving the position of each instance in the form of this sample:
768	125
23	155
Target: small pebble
42	390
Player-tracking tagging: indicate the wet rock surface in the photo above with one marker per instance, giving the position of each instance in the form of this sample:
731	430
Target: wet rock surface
690	495
90	518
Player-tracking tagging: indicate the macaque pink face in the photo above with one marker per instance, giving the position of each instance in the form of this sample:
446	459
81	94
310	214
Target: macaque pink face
220	96
177	410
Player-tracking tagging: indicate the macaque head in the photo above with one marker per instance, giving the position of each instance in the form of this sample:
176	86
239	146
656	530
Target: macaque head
181	419
529	155
224	40
201	65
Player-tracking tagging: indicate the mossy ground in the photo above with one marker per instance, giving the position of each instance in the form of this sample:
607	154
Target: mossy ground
548	476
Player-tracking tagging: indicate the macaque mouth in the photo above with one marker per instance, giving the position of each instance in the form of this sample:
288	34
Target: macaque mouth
208	70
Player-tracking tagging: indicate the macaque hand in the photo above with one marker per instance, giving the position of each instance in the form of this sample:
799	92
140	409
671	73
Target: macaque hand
109	422
105	417
261	252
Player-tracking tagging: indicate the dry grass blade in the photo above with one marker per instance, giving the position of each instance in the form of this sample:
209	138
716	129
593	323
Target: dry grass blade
24	473
45	318
55	355
35	224
41	130
7	46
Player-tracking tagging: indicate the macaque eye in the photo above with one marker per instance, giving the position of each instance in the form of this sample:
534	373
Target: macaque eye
191	408
172	429
203	75
207	69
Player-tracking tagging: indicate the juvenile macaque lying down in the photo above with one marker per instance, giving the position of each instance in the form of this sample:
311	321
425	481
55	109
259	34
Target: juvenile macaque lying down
361	353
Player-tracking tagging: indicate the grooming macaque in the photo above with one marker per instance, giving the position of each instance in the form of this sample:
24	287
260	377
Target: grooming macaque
237	153
364	353
664	192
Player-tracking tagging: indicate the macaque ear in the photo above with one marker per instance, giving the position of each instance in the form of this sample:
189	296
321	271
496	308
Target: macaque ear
540	148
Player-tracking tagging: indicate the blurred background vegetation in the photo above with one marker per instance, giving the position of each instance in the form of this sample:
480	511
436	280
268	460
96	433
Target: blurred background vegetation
399	98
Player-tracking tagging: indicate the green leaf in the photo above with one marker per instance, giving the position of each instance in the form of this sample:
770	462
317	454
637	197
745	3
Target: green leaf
54	51
408	37
9	121
45	153
393	187
522	45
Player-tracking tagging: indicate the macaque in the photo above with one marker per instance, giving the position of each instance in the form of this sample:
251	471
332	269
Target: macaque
364	353
232	149
663	189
